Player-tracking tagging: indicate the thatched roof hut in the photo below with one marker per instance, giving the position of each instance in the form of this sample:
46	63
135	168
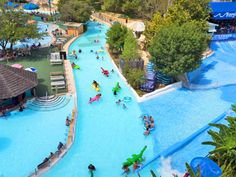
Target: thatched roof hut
14	81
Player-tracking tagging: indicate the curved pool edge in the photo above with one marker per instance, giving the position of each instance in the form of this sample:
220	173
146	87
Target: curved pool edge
72	128
182	143
146	96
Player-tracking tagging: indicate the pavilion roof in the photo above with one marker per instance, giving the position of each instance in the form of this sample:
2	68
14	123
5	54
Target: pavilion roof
14	81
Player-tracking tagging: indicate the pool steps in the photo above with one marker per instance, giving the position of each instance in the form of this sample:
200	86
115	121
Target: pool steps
181	144
50	104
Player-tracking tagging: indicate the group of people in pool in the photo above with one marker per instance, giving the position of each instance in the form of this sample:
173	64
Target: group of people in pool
46	162
74	53
96	53
119	102
148	124
135	166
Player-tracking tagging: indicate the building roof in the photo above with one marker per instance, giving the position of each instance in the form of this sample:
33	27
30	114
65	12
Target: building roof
73	24
14	81
223	10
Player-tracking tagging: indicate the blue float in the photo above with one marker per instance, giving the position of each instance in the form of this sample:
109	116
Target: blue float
127	99
208	168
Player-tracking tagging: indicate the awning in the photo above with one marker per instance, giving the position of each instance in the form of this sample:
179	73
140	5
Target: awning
212	27
136	26
11	5
223	10
30	6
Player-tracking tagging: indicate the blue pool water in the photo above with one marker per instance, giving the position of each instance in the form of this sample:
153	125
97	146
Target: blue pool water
193	149
219	69
182	112
106	134
28	137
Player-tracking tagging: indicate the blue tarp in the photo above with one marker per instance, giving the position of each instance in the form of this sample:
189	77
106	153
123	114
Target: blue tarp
11	4
223	10
30	6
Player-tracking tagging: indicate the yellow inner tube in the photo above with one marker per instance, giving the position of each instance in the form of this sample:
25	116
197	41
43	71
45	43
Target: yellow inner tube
96	88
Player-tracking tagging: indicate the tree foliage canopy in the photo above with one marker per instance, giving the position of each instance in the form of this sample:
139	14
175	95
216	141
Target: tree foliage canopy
136	8
75	10
130	51
15	27
184	10
177	49
116	37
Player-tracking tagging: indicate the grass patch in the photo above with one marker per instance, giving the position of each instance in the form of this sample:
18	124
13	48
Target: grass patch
39	59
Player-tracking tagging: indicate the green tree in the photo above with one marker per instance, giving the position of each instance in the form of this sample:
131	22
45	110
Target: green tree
224	142
112	5
153	6
153	26
130	51
116	37
75	10
177	49
182	11
15	27
134	76
191	172
132	7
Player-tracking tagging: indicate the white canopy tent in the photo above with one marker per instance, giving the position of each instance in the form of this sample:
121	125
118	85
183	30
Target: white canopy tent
212	27
136	26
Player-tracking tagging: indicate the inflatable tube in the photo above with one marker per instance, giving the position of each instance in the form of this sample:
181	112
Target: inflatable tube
127	99
96	88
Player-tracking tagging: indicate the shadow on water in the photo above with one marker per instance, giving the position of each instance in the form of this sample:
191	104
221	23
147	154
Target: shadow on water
4	143
228	93
201	79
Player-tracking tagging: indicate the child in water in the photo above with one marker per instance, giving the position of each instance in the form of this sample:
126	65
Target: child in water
118	102
95	83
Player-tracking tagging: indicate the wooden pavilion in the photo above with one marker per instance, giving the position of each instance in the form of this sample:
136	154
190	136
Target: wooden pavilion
14	83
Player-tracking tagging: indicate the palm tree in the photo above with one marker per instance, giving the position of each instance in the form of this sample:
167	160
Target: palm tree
191	172
224	141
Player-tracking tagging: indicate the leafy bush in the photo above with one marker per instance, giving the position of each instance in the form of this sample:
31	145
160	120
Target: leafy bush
134	76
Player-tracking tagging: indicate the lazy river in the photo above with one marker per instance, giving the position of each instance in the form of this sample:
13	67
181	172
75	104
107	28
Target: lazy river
107	134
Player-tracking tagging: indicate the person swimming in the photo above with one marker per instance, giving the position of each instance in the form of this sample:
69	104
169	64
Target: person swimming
125	168
95	83
97	57
118	102
124	106
147	132
151	119
91	167
80	51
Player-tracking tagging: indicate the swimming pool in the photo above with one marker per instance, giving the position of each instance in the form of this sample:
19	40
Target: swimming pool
28	137
190	110
106	134
217	70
